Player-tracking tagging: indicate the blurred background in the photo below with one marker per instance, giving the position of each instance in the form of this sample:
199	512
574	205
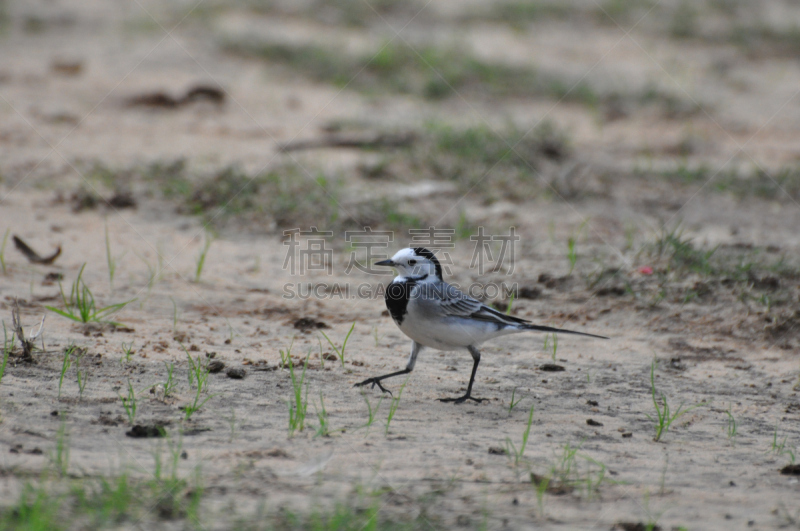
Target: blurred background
401	113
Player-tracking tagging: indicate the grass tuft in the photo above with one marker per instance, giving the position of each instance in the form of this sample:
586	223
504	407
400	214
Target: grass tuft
110	260
512	403
682	254
8	346
372	412
3	251
664	415
732	427
340	351
394	405
36	509
505	162
511	449
682	271
427	71
287	196
170	384
322	415
519	13
66	363
781	184
81	306
198	378
59	457
780	448
83	379
130	402
299	405
201	261
127	351
571	472
286	355
551	345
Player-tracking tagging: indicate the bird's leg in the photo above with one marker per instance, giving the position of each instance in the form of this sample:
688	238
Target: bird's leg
377	380
476	357
412	359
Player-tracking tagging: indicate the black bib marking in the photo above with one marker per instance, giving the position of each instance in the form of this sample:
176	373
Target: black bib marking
397	294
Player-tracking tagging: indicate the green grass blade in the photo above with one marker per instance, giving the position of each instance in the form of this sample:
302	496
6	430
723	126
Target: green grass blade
64	314
108	310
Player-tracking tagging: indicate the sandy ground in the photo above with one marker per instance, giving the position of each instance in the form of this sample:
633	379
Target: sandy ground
436	464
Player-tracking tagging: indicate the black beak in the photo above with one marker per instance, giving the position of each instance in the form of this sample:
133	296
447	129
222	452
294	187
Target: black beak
385	263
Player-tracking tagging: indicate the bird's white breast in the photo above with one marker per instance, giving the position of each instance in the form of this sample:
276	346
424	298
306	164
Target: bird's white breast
425	324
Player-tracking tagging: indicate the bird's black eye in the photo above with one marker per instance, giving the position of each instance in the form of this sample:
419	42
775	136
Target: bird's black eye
412	262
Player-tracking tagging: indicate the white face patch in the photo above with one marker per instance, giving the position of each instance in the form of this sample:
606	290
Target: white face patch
403	255
409	264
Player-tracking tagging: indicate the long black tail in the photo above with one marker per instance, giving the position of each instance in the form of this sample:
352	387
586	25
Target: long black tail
539	328
487	313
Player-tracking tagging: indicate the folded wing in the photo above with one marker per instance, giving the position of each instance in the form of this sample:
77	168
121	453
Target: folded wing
454	303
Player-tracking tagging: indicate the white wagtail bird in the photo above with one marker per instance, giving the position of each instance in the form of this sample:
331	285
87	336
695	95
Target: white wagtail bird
437	315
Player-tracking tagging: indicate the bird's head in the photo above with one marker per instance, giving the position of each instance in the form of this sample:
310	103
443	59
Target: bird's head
414	262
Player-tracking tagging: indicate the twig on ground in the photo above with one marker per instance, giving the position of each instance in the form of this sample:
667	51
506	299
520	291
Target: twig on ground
25	343
32	256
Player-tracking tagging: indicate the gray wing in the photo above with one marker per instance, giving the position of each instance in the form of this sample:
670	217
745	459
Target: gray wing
453	303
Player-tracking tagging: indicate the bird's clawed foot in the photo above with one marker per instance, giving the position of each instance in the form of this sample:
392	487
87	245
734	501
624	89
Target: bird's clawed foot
462	399
374	382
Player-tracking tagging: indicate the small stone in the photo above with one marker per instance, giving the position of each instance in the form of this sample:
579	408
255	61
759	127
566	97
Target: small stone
237	373
140	432
791	470
551	367
216	366
305	324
